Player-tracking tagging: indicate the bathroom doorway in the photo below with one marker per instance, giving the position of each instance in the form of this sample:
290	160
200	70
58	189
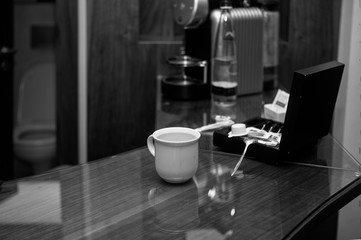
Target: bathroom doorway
34	40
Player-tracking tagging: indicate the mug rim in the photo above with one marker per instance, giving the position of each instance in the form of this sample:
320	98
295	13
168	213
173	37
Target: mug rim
191	131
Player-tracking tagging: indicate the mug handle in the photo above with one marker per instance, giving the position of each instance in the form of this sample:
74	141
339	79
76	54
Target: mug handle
150	144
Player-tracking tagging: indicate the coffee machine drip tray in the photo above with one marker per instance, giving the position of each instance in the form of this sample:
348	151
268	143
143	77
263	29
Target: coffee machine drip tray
182	81
184	88
190	80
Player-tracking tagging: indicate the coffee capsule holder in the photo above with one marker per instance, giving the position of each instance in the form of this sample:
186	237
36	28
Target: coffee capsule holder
308	117
262	150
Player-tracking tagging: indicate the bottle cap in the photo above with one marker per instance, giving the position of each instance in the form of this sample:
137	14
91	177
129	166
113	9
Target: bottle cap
237	130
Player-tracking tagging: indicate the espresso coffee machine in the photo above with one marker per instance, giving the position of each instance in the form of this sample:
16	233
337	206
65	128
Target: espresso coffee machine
193	62
190	78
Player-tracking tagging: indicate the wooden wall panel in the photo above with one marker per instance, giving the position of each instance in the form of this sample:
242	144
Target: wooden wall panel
121	103
122	70
122	80
67	82
156	21
312	36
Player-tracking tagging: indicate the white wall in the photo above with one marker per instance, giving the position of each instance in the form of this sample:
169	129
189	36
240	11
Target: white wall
347	117
27	15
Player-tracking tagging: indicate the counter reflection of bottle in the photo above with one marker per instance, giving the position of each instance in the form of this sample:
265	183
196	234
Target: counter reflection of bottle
224	61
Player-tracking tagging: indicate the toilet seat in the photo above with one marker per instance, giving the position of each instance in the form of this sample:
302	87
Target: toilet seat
35	135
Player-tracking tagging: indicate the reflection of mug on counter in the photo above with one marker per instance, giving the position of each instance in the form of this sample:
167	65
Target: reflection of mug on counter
176	153
176	208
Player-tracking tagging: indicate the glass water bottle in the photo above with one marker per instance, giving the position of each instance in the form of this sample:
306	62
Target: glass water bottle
224	60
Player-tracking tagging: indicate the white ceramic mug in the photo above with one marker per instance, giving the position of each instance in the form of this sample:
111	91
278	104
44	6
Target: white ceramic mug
176	152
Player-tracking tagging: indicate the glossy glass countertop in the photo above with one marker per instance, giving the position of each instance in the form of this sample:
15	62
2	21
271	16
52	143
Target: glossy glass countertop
122	197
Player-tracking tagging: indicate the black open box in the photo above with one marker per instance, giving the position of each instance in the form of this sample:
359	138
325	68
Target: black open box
308	117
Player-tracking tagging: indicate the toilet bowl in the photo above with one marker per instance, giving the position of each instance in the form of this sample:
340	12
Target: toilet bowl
34	134
36	144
